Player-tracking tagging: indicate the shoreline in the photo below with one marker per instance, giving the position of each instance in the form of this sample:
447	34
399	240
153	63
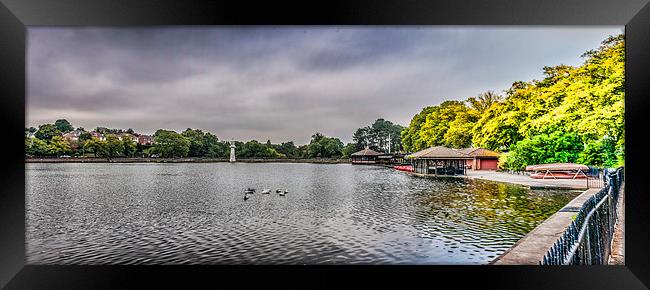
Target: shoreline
507	178
183	160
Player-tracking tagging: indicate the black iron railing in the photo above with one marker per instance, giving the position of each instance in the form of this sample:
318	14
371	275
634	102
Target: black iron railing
596	177
587	241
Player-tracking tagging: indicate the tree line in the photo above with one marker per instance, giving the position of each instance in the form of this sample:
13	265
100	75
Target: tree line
48	141
574	114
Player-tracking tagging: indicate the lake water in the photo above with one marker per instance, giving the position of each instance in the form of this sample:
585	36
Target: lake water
194	213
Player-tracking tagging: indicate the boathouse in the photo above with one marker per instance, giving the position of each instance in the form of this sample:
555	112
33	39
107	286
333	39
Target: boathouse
439	161
365	156
481	159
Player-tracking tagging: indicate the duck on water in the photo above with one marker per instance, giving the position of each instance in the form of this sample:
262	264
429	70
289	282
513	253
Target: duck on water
265	191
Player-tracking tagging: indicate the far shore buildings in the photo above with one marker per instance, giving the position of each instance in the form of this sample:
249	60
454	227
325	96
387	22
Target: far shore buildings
145	140
365	156
73	136
97	135
439	161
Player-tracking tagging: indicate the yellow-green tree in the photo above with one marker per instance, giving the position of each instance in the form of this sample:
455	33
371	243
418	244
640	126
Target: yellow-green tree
576	110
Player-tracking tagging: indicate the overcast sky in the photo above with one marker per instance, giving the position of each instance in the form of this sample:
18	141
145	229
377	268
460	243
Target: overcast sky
279	83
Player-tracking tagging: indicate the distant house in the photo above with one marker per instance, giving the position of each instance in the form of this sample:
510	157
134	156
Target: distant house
481	159
145	140
134	137
73	135
365	156
98	135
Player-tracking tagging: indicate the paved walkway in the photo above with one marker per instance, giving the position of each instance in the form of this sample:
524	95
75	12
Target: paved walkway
532	248
527	180
617	256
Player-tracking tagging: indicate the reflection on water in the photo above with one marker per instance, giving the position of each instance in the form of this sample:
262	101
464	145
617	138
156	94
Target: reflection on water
194	213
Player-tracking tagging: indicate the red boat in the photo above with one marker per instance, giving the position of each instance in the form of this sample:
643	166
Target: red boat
558	171
557	175
407	168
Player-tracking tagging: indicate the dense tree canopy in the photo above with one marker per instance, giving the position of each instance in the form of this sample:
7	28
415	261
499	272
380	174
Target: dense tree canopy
288	149
322	146
97	147
254	149
63	125
377	136
47	131
574	114
128	147
171	144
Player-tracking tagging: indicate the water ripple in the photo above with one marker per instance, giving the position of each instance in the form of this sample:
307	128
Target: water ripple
333	214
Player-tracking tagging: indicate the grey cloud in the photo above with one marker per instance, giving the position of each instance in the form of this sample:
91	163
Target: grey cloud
279	83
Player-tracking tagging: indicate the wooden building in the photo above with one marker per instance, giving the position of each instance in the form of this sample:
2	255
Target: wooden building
439	161
365	156
391	159
481	159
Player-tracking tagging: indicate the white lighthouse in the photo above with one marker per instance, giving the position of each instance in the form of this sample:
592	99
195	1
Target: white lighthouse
232	151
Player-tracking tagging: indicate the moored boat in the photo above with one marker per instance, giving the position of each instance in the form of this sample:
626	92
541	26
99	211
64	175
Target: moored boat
557	175
407	168
558	171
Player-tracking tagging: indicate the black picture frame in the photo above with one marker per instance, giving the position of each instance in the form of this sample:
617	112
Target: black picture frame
15	15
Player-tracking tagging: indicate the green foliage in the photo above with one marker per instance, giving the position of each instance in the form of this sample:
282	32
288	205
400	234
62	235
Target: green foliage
63	125
128	147
411	140
197	144
97	147
437	123
558	147
324	147
47	131
84	136
254	149
303	151
58	146
459	133
484	101
288	149
603	153
171	144
213	148
104	130
36	147
583	107
205	144
376	136
351	148
114	146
